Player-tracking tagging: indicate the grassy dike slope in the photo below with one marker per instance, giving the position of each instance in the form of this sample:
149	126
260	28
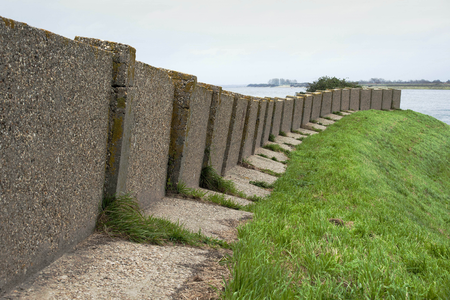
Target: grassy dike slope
386	175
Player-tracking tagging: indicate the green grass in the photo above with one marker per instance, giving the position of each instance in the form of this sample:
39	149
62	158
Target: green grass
209	179
387	176
282	133
222	201
271	138
122	217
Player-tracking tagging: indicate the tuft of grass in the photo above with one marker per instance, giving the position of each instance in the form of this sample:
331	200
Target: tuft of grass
262	184
282	133
300	138
271	138
289	144
313	121
386	175
182	189
263	155
270	172
122	217
209	179
276	148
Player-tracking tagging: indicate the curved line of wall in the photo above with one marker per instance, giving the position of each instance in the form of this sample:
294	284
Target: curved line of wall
81	119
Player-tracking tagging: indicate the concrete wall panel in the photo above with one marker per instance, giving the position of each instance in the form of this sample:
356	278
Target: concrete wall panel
194	148
235	133
336	102
355	98
365	99
268	121
387	100
259	127
54	101
276	117
326	103
248	135
316	105
396	96
377	98
307	106
286	119
298	112
220	131
345	99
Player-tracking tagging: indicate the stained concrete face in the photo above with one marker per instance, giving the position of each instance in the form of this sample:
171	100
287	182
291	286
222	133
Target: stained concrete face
286	118
54	99
365	99
307	106
259	127
354	98
194	148
396	98
267	121
120	113
377	98
248	135
236	129
150	119
298	113
316	105
213	116
345	99
183	98
326	103
220	131
387	100
336	101
276	117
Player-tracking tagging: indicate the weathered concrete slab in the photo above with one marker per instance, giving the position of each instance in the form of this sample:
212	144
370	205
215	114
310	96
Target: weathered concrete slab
248	189
268	164
387	99
396	98
196	216
295	135
345	99
334	117
237	123
365	99
267	121
298	112
346	113
278	155
336	101
285	147
184	87
248	135
103	267
150	119
214	119
306	131
195	143
54	103
307	106
286	118
233	199
377	99
326	103
312	126
287	140
220	131
354	98
276	117
316	105
259	127
251	175
324	122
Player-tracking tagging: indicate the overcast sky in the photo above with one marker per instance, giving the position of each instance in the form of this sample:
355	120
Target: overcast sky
241	42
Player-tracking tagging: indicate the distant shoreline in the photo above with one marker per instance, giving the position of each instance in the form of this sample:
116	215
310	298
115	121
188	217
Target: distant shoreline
409	86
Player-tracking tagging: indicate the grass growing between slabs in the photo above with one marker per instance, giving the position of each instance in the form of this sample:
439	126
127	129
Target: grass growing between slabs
362	212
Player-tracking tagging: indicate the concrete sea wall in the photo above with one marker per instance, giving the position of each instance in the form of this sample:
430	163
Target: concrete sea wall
82	119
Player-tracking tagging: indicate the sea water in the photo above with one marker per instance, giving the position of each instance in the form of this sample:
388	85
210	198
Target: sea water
435	103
